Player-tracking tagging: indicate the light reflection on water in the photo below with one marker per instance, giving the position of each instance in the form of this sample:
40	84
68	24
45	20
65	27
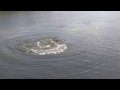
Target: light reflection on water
92	39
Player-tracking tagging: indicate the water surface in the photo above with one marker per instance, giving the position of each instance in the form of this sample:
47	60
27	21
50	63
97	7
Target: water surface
92	39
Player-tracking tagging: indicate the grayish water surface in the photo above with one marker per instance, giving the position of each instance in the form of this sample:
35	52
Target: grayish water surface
92	40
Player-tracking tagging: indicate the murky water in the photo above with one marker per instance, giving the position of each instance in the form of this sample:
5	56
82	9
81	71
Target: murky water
56	44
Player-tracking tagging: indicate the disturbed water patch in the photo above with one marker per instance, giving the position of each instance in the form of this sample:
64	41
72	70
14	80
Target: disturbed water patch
43	46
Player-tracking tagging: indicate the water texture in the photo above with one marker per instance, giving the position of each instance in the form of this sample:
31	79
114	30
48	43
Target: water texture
60	44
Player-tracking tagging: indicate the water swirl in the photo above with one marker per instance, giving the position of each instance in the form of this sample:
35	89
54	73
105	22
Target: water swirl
41	46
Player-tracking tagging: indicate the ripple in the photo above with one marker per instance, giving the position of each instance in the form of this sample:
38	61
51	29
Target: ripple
42	46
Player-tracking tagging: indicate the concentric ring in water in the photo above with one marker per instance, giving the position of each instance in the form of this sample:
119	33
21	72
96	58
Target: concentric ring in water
42	46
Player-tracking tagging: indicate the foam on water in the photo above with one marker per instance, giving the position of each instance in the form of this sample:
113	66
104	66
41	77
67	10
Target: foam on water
42	46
